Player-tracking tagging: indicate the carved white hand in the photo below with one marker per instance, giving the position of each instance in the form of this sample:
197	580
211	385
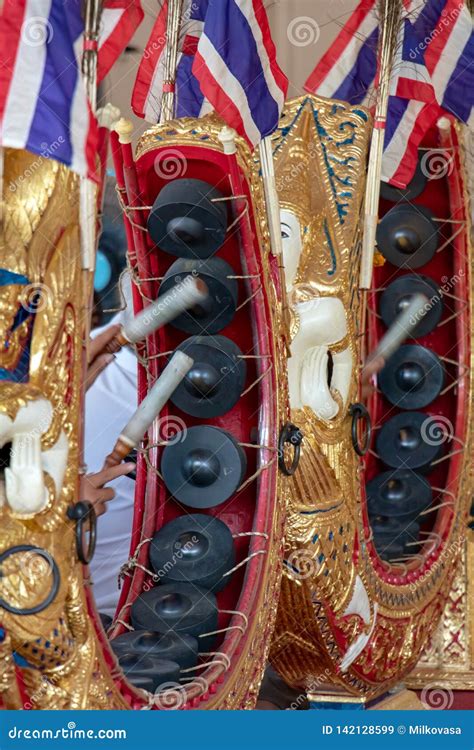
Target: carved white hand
24	481
314	384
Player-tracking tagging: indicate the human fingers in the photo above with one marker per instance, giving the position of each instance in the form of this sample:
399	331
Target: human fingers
99	343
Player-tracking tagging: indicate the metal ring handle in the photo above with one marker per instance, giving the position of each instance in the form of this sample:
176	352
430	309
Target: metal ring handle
289	435
55	584
358	412
80	513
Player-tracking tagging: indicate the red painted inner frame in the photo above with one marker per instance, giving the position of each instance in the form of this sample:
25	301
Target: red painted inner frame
444	198
253	508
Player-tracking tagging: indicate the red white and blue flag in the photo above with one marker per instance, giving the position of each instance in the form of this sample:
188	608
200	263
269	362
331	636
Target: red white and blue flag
433	72
236	67
227	62
150	81
43	102
119	21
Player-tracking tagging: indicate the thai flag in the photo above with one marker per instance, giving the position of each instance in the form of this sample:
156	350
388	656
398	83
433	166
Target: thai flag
150	81
236	67
119	21
445	29
347	70
226	61
433	69
43	101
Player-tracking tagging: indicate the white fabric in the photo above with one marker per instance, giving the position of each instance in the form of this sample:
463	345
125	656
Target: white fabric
110	402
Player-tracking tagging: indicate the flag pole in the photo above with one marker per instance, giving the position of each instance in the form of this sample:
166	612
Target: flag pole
171	59
93	12
88	191
274	224
390	14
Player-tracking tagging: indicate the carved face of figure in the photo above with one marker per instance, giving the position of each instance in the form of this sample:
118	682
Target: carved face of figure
292	244
320	367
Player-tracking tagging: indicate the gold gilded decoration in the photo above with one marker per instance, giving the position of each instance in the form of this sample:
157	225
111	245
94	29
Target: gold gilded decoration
448	658
322	521
40	247
340	625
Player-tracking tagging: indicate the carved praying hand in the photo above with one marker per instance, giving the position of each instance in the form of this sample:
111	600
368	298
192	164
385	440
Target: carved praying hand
25	487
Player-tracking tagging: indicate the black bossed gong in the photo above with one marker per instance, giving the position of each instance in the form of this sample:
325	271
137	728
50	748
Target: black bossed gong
389	548
139	667
106	620
398	493
182	649
180	607
188	219
395	529
405	442
203	467
215	381
218	309
194	548
412	378
414	188
407	236
398	295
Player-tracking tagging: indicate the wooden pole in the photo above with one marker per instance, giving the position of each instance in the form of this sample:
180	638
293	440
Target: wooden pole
390	17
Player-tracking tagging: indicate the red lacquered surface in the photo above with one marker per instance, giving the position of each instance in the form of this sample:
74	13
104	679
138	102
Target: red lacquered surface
450	340
252	420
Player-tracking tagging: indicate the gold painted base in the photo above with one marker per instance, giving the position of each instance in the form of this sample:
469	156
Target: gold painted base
447	680
405	700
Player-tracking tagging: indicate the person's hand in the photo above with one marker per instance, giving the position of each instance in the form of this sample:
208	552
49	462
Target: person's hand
371	368
98	357
93	489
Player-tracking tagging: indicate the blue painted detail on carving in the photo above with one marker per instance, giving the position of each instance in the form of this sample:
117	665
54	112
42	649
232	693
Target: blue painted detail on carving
362	114
8	277
332	270
290	565
341	205
320	510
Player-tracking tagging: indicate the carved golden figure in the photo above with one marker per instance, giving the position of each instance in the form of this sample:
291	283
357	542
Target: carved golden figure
341	628
42	330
